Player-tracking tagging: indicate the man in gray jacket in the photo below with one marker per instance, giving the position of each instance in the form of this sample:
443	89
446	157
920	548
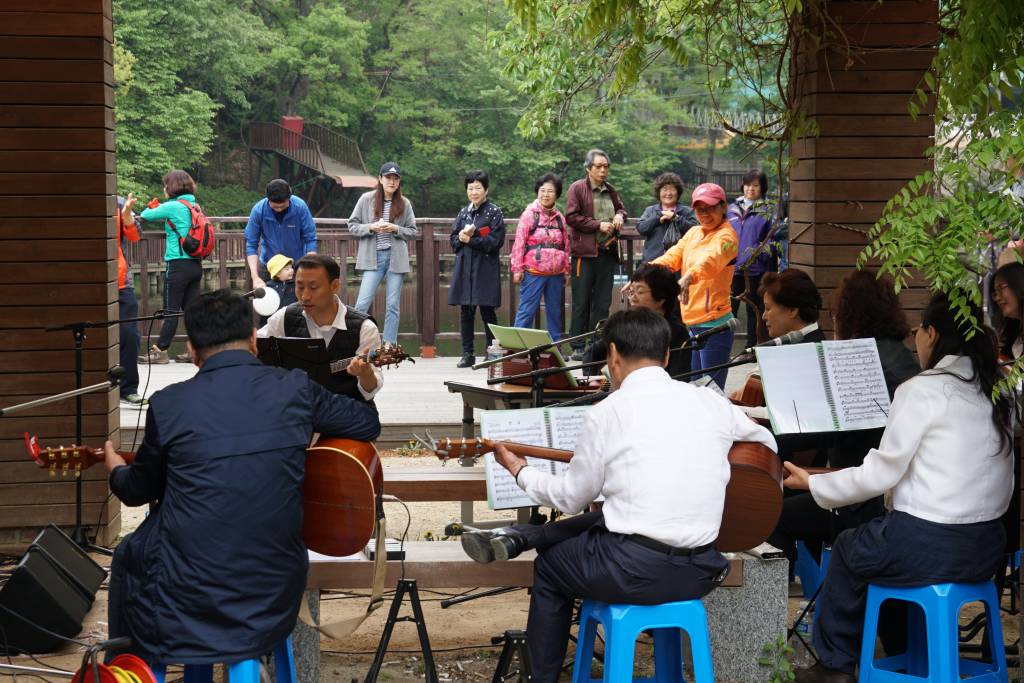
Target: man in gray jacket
385	224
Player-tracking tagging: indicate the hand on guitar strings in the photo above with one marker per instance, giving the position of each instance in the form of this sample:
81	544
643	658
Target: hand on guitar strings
363	370
796	477
111	458
509	460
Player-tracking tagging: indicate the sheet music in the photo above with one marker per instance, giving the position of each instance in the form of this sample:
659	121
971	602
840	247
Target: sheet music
566	424
551	427
527	426
858	383
794	389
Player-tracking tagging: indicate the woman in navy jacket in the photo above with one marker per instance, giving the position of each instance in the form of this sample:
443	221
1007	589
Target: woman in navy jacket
477	235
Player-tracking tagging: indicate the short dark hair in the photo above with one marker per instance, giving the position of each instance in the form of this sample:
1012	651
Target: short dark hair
217	318
310	261
179	182
638	333
867	306
756	174
662	282
279	190
793	289
667	179
549	178
477	177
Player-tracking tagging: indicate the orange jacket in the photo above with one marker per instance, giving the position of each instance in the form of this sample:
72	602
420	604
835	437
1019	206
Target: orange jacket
124	231
708	255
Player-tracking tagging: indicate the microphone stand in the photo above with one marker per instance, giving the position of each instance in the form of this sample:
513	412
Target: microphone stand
79	535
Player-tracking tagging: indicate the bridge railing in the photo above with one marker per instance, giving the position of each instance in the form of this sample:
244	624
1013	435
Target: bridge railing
432	257
296	146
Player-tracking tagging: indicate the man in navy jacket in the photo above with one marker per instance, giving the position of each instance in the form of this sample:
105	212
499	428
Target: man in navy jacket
216	571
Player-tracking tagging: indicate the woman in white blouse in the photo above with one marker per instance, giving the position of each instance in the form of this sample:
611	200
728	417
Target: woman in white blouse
945	458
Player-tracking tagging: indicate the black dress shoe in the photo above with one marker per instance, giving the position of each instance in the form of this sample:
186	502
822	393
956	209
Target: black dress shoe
819	673
487	546
467	361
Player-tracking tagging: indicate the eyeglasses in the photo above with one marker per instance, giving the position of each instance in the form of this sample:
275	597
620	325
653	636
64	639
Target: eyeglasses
636	292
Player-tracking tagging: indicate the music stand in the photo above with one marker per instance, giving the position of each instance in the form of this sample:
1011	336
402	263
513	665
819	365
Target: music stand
296	353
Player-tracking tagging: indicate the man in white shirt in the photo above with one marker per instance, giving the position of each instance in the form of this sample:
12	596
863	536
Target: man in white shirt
657	450
320	314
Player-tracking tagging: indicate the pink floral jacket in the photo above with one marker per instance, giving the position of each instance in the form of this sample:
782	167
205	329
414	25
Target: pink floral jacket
544	250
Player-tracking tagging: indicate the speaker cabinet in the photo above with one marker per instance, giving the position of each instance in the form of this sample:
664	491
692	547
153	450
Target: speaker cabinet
52	587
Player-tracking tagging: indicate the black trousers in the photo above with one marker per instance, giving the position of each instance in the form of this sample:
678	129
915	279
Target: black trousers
592	279
895	550
467	318
580	558
181	285
128	307
753	314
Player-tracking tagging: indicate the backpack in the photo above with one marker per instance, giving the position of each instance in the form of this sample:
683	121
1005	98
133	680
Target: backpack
200	239
536	224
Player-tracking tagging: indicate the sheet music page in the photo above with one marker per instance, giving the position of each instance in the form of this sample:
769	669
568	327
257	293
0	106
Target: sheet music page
527	426
858	383
794	388
566	424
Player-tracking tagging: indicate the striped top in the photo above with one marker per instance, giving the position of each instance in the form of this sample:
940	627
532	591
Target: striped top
384	238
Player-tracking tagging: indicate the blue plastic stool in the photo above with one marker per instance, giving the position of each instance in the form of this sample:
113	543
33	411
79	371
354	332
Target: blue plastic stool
622	625
811	575
246	671
935	658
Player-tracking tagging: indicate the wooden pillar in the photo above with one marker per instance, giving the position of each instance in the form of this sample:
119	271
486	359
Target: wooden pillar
57	251
867	146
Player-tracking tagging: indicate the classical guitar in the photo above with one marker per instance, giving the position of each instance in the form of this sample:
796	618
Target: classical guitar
753	498
382	357
344	479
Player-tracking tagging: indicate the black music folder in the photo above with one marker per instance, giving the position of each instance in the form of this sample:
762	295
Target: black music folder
299	353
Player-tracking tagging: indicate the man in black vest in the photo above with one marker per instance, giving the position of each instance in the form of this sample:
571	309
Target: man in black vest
320	314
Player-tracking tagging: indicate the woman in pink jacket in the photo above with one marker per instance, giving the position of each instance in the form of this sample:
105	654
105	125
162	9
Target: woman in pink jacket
540	256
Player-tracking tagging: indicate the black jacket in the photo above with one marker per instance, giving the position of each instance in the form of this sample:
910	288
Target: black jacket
216	571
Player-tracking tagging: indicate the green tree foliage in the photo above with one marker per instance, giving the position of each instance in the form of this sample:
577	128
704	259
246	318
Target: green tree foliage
178	63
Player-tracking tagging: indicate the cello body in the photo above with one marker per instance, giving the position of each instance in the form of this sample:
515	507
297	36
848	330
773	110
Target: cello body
344	480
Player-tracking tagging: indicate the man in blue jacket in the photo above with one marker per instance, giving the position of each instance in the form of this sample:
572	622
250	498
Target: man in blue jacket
279	224
216	571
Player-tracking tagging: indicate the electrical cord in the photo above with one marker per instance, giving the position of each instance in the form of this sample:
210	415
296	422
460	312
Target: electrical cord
40	628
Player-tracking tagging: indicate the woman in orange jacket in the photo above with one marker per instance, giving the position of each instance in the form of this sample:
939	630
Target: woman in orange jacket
705	260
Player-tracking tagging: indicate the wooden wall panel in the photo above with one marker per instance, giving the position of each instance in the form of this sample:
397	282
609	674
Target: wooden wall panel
57	252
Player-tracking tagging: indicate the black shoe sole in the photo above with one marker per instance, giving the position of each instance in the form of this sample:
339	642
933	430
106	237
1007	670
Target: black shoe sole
478	547
503	549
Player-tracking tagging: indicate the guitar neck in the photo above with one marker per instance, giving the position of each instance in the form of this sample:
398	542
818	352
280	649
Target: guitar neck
532	451
342	364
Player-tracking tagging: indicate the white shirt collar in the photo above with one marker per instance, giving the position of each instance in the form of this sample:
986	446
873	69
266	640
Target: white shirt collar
651	373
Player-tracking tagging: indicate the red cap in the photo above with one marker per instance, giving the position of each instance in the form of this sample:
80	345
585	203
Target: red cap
709	193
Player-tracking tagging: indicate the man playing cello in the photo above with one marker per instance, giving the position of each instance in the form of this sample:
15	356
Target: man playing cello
657	450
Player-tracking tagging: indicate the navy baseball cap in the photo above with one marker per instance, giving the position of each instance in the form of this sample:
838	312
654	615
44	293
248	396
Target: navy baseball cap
390	168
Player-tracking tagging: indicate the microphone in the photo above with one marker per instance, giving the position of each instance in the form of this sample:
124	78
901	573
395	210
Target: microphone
794	337
257	293
732	324
115	374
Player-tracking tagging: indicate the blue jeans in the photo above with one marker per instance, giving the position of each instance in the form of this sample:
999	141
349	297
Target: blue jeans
532	288
368	288
715	352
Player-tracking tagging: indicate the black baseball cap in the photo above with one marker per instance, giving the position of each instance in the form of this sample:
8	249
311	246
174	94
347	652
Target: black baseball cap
390	168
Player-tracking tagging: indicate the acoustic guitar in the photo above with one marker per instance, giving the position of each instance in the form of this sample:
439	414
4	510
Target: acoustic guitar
342	488
385	356
753	498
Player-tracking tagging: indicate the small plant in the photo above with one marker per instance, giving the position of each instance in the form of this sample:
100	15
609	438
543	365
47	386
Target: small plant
410	449
775	657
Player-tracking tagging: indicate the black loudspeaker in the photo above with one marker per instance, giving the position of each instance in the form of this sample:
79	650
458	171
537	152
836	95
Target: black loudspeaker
52	587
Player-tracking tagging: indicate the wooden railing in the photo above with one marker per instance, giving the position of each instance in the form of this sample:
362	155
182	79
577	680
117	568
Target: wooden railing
336	145
296	146
432	256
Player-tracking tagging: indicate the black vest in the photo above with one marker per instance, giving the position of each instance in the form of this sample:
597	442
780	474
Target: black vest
344	344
